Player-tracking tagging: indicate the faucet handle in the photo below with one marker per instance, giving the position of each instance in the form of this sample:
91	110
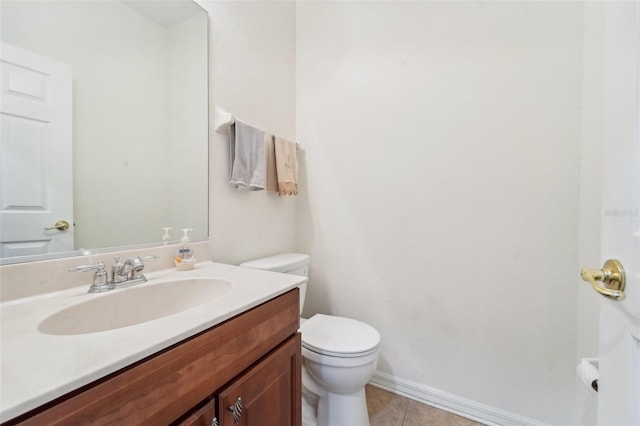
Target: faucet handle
100	277
116	262
83	268
116	270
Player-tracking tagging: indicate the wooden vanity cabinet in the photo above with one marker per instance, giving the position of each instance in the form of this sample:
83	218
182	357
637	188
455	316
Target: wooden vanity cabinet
255	356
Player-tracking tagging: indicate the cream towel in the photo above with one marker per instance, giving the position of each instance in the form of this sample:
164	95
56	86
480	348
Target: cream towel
286	166
272	174
247	157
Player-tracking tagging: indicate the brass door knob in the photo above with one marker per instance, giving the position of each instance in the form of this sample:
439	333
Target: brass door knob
61	225
611	275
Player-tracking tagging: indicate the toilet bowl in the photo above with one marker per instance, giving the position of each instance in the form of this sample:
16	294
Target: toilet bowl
339	356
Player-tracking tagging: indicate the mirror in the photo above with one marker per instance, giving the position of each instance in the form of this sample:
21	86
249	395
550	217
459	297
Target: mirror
111	97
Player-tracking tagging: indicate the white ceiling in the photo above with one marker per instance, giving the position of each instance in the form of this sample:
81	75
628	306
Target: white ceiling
164	12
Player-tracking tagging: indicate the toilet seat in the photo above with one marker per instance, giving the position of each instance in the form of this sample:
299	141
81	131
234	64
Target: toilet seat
338	354
339	337
337	361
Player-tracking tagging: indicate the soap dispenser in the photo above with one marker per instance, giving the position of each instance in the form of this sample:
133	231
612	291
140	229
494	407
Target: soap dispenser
185	238
166	237
184	256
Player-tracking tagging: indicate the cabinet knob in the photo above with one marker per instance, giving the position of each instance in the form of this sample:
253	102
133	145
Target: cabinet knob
236	411
214	422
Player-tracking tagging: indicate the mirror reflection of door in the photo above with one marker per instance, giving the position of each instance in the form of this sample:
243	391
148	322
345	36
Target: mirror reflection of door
36	190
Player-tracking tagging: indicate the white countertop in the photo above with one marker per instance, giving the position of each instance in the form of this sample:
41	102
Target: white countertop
37	368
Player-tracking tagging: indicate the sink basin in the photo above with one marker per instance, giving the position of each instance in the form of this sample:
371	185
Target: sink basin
133	305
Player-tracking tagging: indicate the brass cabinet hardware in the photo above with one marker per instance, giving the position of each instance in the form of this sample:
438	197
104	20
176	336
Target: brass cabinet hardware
611	275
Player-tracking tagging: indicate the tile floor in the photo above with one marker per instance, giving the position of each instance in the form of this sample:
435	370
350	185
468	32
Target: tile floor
388	409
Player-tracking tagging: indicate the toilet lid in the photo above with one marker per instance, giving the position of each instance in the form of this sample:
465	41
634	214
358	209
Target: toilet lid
338	336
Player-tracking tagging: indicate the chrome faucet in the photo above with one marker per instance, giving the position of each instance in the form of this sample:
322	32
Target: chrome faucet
122	274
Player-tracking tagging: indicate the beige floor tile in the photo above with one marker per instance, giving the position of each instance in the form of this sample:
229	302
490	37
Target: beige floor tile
385	408
424	415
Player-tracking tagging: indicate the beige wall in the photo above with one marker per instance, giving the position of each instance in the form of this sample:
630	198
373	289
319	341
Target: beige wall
440	189
252	75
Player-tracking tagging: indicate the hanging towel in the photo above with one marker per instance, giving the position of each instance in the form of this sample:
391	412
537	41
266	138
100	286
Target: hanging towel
286	166
272	174
247	157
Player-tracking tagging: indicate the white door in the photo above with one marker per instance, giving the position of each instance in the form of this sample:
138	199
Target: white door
36	188
619	346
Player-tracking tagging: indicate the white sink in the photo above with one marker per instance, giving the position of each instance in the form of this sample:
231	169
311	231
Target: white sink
133	305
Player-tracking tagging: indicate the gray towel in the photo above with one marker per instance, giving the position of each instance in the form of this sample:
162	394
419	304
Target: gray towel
247	157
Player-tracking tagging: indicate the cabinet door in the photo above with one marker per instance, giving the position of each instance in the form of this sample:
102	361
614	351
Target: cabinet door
205	416
269	393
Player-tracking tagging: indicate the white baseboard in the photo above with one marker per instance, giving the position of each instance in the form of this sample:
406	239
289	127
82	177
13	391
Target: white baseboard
454	404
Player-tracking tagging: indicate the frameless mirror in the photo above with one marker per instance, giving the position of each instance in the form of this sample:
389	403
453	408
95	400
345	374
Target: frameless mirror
104	110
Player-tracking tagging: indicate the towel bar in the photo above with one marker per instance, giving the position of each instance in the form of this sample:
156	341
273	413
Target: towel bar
223	119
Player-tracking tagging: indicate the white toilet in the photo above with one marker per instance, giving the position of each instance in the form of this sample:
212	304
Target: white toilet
339	356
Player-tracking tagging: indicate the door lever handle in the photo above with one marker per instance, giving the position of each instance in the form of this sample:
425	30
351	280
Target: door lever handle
61	225
611	275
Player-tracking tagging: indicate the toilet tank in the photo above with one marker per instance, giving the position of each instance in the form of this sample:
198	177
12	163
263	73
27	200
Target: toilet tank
287	263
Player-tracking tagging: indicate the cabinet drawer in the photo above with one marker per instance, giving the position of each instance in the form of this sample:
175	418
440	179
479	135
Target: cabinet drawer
161	388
